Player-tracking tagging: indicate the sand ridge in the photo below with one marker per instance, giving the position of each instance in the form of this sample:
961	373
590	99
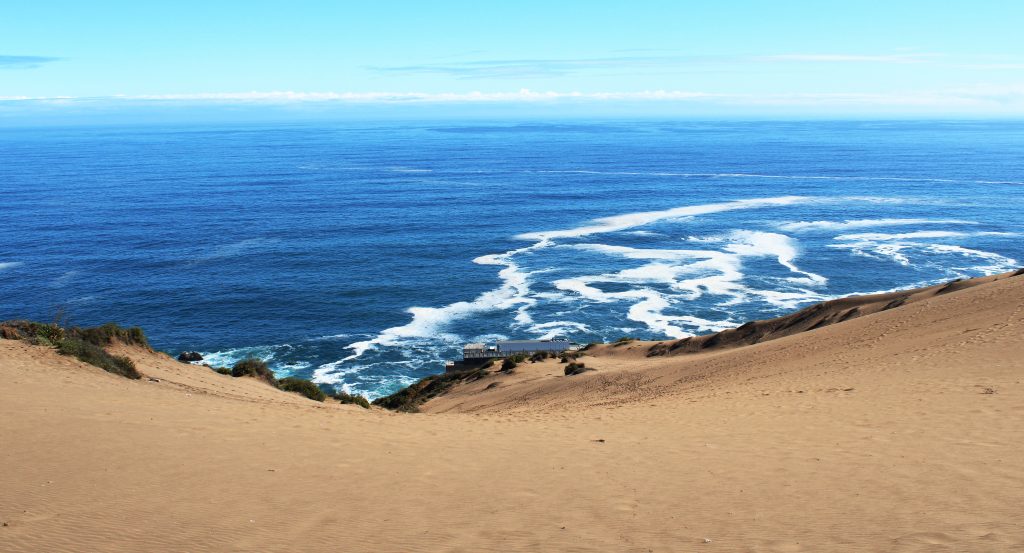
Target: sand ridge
895	431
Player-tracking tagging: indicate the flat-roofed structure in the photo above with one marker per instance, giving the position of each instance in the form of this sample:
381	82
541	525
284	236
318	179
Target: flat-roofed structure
529	347
508	348
478	351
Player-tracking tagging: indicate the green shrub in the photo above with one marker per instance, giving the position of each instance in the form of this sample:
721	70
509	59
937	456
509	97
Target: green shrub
351	399
106	334
223	370
95	355
255	368
303	387
41	340
46	334
508	365
624	340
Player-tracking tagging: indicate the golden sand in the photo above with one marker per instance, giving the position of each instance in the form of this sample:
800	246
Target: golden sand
898	430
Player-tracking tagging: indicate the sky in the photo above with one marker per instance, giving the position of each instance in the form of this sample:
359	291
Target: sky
67	61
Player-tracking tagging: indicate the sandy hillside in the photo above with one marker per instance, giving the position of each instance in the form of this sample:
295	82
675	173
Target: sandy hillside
900	429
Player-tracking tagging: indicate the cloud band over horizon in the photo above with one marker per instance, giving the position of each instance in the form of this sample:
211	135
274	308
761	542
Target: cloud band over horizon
1006	98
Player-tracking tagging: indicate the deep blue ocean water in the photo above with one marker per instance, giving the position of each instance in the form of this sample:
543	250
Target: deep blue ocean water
364	255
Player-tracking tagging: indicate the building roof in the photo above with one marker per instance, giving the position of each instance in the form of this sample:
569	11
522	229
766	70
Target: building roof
532	342
474	346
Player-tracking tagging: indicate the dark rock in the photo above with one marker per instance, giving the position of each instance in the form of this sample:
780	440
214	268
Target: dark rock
190	356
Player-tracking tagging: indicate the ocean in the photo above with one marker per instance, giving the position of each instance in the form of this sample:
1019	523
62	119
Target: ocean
363	255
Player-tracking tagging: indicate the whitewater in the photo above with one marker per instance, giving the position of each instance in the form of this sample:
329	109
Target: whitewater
364	255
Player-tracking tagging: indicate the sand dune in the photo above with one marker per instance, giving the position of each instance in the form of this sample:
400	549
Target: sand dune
898	429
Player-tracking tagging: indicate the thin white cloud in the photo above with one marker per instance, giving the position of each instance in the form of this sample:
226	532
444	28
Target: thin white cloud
1006	99
547	67
850	58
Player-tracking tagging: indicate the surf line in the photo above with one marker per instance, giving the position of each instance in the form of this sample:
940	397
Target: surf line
514	291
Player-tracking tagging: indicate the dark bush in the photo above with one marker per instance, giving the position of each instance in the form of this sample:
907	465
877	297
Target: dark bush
624	340
575	368
223	370
569	356
351	399
303	387
508	365
255	368
95	355
540	356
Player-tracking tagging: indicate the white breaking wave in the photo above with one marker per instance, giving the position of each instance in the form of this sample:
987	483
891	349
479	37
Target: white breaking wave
632	220
689	274
901	253
655	290
999	263
801	226
229	357
557	329
879	236
428	323
10	265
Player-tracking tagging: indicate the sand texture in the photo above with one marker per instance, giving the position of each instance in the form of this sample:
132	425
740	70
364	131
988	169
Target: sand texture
898	429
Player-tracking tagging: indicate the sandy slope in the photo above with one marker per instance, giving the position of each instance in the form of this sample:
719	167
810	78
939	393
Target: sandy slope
895	431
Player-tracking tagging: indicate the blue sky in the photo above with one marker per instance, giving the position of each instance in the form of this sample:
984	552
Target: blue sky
67	60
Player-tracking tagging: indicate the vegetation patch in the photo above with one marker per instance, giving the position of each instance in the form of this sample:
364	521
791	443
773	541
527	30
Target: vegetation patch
96	355
573	369
256	368
303	387
661	348
410	398
105	335
541	355
567	356
351	399
84	344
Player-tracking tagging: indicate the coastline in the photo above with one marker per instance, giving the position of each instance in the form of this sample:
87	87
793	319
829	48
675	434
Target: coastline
899	429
